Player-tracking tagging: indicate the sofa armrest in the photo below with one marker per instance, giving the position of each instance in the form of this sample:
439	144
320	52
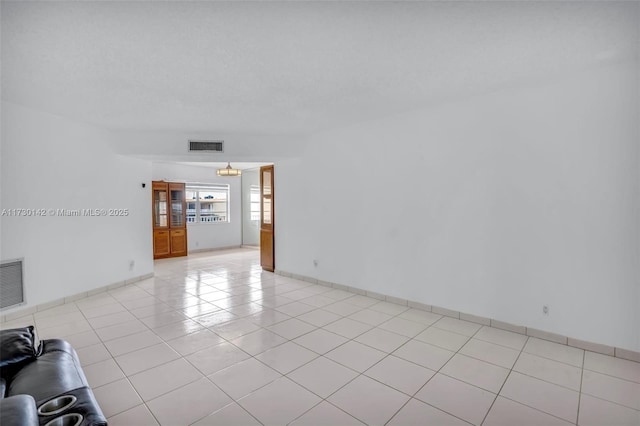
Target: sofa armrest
55	371
18	410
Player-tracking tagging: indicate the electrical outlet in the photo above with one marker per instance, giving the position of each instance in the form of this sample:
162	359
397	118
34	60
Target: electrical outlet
315	263
545	310
132	264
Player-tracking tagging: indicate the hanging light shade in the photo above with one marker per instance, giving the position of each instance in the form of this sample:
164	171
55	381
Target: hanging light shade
229	171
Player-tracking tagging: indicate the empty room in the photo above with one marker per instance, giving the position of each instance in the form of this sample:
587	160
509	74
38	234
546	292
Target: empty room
320	213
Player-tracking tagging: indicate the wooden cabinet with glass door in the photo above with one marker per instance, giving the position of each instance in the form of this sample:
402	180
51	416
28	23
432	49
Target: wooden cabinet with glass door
169	221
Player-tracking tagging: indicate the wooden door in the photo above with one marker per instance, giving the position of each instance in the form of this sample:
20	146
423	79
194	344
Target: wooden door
267	240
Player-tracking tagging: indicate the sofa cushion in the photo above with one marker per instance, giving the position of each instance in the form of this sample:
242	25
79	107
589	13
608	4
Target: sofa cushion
17	345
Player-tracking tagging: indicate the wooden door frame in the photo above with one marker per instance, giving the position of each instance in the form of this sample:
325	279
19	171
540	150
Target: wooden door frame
267	230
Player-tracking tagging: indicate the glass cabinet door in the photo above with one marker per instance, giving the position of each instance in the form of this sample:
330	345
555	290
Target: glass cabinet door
177	205
160	208
267	210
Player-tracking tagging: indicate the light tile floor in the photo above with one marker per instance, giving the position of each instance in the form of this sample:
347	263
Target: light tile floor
214	340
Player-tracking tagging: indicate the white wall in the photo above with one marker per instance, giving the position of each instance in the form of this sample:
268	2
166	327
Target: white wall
502	203
50	162
250	228
201	236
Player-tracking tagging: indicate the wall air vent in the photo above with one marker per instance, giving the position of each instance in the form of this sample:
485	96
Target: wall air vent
206	146
11	288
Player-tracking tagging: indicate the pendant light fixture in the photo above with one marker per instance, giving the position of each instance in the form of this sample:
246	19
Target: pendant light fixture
229	171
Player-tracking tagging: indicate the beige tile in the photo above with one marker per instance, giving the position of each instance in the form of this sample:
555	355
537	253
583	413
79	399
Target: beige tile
549	371
194	342
593	347
545	335
244	377
457	326
342	308
369	401
383	340
318	300
83	339
159	380
137	416
320	341
143	359
620	368
337	294
424	354
597	412
205	308
286	357
476	319
98	311
612	389
92	354
267	317
442	338
403	327
417	413
189	403
552	399
163	318
501	337
627	354
295	308
133	342
322	376
258	341
215	318
348	328
508	413
111	319
245	310
390	308
417	315
103	372
233	329
177	329
291	328
319	317
59	319
215	358
62	309
371	317
362	301
116	397
231	415
355	356
555	351
120	330
444	311
325	414
401	375
151	309
475	372
279	402
397	301
57	332
520	329
457	398
490	352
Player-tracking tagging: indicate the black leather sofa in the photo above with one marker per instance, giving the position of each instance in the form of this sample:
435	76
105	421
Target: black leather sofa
43	385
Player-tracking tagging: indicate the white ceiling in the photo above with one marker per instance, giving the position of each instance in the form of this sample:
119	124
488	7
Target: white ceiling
290	67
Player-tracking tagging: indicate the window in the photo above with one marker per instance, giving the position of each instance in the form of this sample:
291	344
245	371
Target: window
255	202
207	203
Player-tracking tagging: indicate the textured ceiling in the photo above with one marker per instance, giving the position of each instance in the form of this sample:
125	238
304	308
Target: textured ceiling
291	67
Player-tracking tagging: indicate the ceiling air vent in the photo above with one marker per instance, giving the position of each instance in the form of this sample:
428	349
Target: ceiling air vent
206	146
